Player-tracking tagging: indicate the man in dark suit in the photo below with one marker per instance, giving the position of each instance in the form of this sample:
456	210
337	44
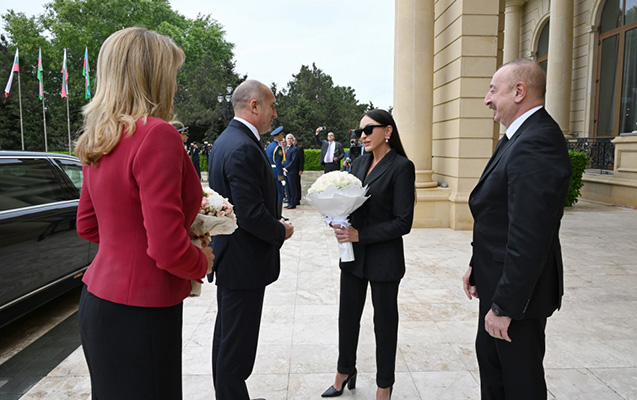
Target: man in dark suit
194	156
331	151
248	260
516	266
291	168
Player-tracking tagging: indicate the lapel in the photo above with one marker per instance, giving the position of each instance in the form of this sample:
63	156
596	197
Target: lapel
501	149
245	130
379	169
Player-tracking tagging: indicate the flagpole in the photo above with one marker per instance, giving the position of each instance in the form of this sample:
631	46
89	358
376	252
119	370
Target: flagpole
68	122
20	101
46	145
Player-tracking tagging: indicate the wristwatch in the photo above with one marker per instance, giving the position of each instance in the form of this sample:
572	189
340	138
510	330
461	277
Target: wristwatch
497	311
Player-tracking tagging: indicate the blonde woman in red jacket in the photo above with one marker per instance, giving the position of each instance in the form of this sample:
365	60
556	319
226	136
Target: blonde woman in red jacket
139	196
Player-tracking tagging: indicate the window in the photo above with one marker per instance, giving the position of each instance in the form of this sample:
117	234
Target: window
74	172
28	182
617	69
543	47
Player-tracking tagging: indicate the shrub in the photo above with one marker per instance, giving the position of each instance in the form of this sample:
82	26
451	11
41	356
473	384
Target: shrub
579	161
312	160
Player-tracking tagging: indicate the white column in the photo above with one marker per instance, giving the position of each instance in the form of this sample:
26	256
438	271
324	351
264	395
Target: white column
560	63
413	83
512	18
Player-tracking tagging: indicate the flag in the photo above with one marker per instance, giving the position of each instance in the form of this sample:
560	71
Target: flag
65	78
85	71
16	67
41	84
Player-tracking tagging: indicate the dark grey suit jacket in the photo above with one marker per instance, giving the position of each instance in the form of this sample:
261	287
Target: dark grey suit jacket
338	150
517	206
384	218
240	171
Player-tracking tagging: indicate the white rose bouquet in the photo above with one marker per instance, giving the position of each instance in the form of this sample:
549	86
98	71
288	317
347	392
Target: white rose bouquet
216	217
336	195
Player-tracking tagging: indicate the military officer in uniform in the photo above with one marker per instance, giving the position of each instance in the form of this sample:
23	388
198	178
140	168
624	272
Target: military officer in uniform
276	155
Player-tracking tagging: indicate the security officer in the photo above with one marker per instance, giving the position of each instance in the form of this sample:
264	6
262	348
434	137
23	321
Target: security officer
276	155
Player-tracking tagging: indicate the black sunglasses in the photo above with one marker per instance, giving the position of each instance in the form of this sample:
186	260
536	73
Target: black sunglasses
369	129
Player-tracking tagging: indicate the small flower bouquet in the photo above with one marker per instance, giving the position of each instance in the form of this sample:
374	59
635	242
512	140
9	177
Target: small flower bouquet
216	217
336	195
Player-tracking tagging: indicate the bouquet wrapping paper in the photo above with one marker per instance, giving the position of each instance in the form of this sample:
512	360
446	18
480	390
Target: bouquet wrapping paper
336	195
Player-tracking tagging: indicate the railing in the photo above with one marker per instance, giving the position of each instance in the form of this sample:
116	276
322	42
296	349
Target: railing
600	151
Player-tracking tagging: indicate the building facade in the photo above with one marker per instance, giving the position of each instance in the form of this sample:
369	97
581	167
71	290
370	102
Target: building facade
445	54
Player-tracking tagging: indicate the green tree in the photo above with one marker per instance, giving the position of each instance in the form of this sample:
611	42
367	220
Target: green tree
76	25
312	100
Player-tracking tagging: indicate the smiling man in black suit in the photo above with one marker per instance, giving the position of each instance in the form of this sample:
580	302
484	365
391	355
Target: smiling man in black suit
516	266
247	260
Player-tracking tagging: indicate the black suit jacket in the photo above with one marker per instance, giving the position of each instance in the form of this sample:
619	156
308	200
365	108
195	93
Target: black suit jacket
301	156
384	218
517	206
240	171
338	150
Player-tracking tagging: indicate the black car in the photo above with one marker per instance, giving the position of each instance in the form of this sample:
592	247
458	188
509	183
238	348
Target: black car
41	254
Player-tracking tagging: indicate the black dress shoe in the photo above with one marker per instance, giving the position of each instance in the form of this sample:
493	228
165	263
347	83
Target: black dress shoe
290	207
350	382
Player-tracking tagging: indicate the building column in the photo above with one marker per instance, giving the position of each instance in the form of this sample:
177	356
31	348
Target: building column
560	63
413	83
512	18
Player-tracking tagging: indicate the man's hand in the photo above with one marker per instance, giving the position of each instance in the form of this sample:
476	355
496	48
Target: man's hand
497	327
470	290
289	229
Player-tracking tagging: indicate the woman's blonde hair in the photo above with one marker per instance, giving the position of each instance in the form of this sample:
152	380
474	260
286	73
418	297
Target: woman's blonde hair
136	78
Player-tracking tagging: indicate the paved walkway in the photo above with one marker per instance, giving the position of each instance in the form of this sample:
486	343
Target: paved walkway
591	351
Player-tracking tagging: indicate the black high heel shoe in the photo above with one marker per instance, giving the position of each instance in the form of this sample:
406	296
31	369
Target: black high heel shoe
350	382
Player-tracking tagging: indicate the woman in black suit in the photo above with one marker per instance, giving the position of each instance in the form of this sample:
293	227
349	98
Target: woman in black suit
376	232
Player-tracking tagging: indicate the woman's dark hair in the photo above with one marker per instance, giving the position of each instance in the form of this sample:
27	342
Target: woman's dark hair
385	118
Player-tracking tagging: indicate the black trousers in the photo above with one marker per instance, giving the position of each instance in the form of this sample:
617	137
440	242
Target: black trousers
299	191
351	303
512	371
234	345
290	187
131	352
333	166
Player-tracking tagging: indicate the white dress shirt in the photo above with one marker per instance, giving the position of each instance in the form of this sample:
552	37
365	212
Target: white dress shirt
252	128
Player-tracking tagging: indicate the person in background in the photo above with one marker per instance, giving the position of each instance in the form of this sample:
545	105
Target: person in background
516	266
301	155
376	232
291	168
276	157
352	154
195	157
183	133
139	196
331	151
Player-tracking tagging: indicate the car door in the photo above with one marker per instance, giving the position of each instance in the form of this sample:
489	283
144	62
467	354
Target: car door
39	244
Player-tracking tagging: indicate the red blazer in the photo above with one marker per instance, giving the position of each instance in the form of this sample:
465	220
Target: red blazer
138	204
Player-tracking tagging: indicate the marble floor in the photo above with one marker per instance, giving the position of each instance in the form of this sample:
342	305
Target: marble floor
591	345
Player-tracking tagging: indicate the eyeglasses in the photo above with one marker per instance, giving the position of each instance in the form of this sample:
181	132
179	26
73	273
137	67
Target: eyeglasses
368	130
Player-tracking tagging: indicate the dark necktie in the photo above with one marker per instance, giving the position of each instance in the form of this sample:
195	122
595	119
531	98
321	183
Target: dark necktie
501	143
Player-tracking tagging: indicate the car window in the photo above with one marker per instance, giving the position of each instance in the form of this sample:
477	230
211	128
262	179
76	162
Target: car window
74	171
28	182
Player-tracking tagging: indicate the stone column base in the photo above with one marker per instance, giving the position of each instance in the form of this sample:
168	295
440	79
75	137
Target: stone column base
432	208
436	209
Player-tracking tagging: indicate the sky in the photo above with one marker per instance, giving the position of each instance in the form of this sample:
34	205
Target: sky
350	40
